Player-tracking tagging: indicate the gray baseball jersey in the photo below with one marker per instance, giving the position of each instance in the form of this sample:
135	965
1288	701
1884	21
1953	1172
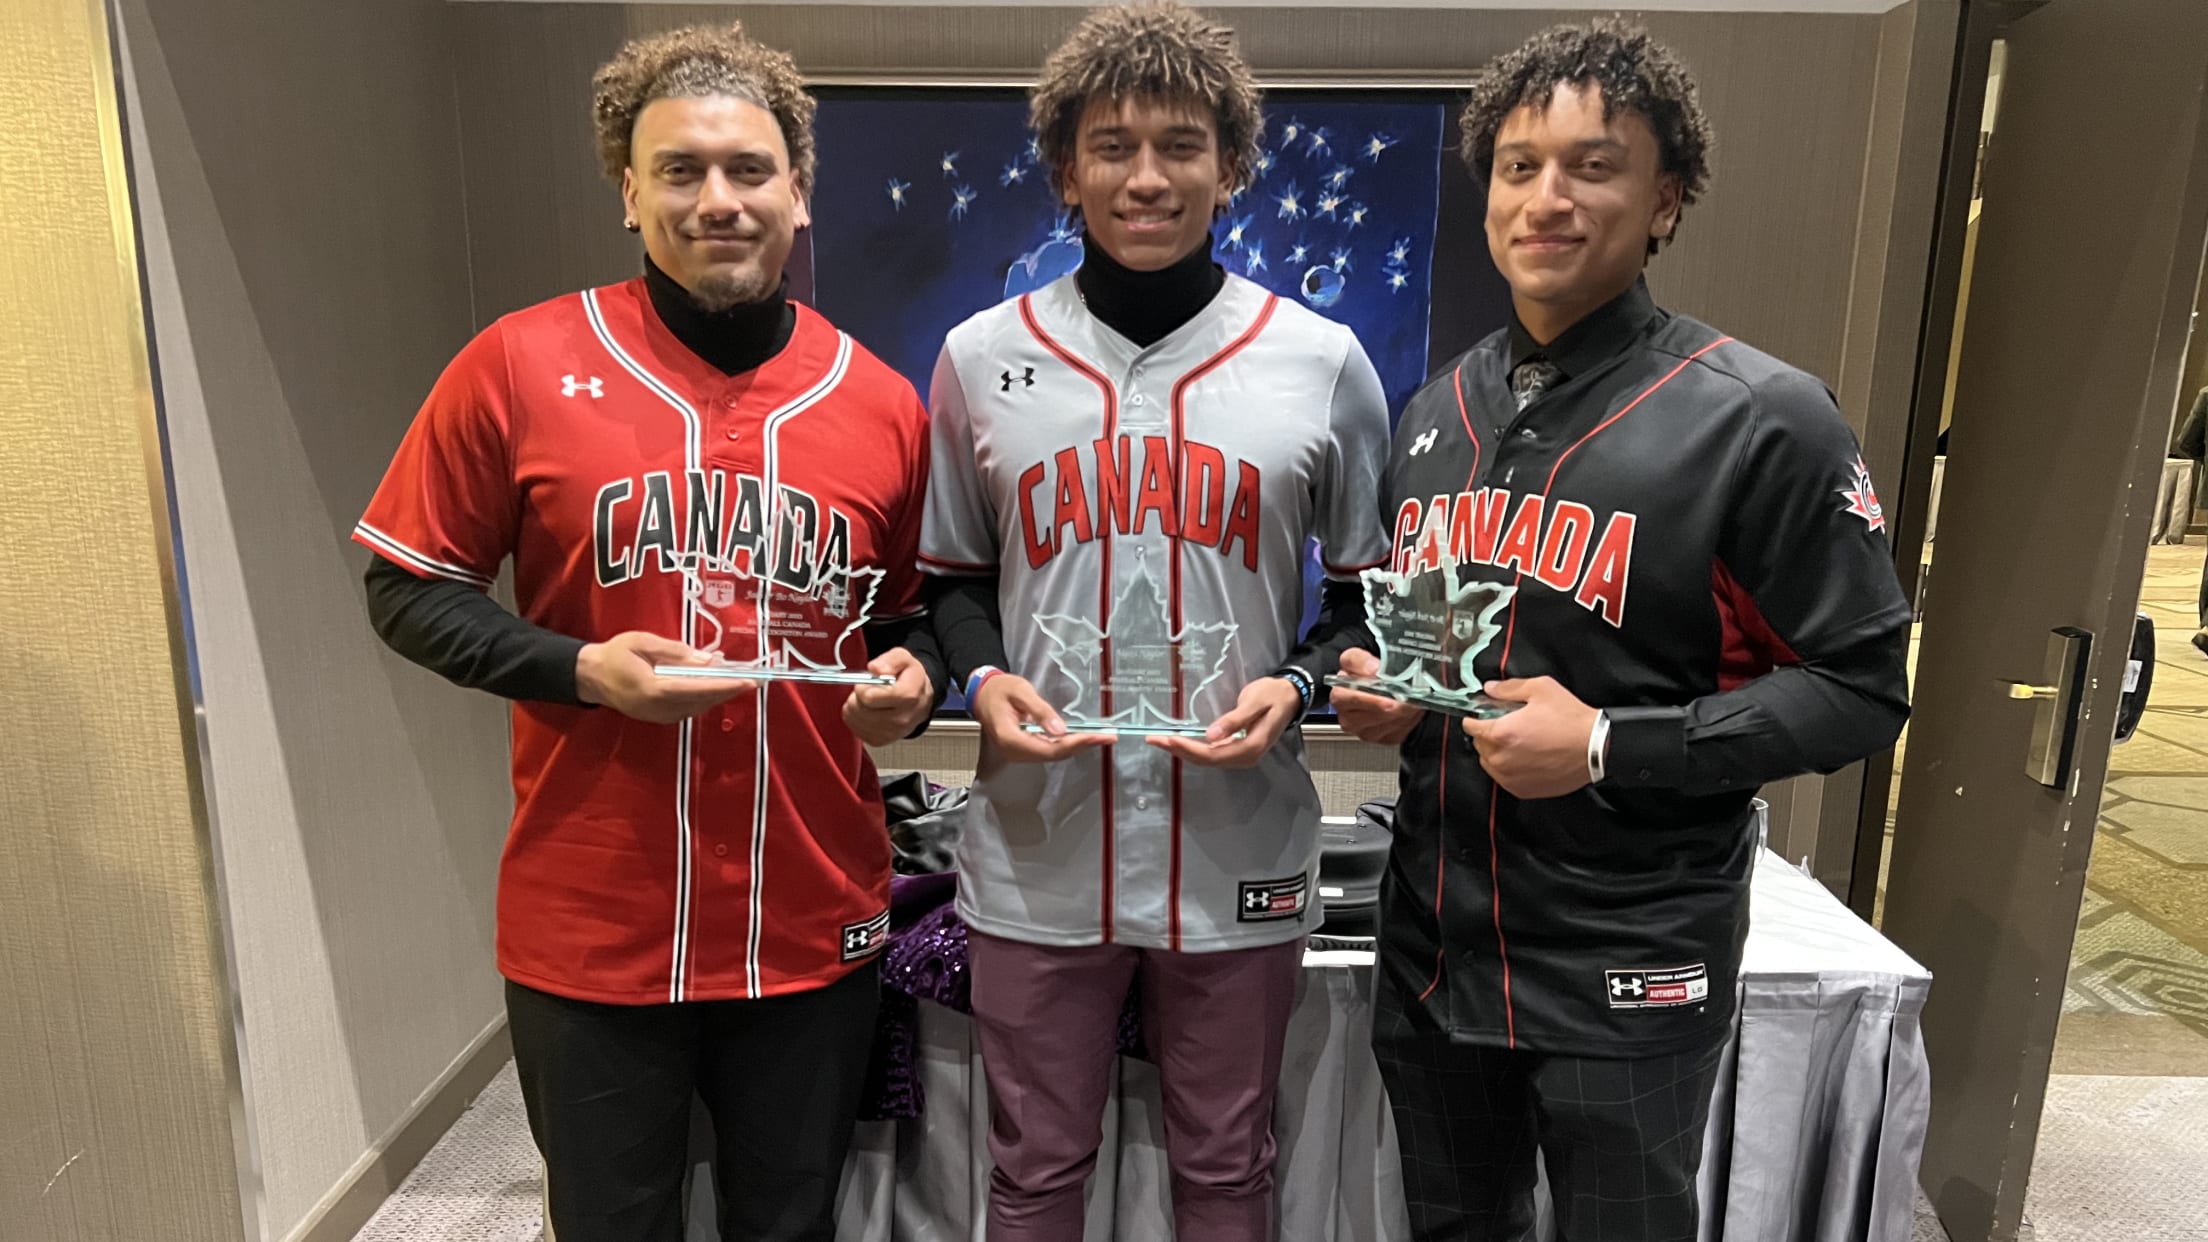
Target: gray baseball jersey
1164	497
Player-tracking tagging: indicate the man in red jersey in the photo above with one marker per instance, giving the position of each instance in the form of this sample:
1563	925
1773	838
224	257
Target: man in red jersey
696	883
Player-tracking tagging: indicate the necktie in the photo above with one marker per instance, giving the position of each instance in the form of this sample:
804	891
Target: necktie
1531	378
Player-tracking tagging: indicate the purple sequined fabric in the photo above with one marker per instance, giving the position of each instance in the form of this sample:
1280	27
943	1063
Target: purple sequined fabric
926	961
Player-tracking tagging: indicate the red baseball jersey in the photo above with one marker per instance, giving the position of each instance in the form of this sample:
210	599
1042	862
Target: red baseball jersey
742	853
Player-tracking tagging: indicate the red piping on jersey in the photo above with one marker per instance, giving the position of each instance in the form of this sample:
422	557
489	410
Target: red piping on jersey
1748	647
1441	853
1495	887
1441	859
1180	704
1510	1013
1456	378
1103	599
964	567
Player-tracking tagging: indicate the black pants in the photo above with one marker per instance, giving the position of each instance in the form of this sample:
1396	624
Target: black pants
1622	1139
608	1088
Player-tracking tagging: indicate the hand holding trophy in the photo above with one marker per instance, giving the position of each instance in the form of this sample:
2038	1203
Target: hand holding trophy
879	714
622	673
1431	629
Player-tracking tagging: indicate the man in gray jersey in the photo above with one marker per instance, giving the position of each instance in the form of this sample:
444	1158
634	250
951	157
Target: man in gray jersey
1147	444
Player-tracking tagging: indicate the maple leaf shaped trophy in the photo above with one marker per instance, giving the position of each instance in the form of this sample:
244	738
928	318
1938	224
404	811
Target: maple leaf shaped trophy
782	632
1431	628
1139	676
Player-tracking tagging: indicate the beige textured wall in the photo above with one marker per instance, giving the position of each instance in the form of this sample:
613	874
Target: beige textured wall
1768	254
307	265
115	1052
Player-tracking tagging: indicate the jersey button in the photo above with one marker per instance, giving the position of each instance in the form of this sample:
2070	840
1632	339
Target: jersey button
729	402
720	851
734	434
1137	399
1526	433
1142	803
728	724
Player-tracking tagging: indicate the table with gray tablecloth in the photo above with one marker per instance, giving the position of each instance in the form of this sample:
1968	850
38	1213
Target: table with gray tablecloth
1814	1134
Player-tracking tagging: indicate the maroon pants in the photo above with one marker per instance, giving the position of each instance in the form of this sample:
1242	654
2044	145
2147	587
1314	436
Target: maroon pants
1048	1019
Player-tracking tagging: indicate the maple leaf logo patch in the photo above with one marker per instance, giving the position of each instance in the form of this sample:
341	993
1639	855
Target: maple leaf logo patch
1862	500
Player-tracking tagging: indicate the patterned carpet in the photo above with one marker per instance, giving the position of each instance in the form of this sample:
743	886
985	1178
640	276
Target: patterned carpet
2137	1001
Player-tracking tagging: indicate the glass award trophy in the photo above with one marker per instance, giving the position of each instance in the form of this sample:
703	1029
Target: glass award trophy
785	634
1430	629
1128	678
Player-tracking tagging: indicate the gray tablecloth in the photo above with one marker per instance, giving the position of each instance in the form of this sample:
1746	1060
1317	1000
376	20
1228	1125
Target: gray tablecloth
1814	1134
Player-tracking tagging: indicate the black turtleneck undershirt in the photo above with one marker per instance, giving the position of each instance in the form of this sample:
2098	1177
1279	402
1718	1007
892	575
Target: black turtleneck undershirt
1144	307
469	638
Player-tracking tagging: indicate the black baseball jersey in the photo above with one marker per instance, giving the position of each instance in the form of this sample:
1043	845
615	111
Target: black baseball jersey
1697	550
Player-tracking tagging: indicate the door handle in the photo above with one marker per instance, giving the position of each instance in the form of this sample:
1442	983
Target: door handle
2059	700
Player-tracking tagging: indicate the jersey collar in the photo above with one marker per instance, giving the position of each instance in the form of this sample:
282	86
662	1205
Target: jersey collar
1603	334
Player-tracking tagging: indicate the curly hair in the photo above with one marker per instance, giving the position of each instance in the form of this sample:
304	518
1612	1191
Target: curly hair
1163	49
1634	73
696	61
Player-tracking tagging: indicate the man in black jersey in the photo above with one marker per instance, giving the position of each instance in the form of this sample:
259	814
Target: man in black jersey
1704	602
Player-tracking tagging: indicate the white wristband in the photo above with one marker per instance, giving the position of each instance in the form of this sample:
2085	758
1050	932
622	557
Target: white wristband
1598	747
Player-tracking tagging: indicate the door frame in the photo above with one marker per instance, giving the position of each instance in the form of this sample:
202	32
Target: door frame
1983	22
1981	1144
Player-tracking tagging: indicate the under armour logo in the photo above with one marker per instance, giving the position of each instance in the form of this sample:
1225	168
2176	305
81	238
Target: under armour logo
856	938
1624	985
1424	442
1026	379
569	386
1257	899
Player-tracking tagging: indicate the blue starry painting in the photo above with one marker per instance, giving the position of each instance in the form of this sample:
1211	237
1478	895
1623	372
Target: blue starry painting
932	205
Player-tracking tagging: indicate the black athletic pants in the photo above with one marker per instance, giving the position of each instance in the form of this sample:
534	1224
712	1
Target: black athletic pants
1622	1139
608	1088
